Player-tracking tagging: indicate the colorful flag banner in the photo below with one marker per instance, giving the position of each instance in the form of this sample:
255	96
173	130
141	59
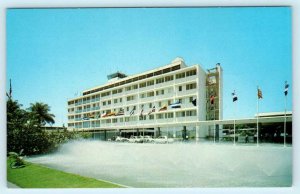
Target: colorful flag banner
163	108
104	115
91	115
111	114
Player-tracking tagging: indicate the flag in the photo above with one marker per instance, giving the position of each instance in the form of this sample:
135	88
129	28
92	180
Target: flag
132	111
286	88
104	115
121	112
234	97
91	115
85	118
97	115
176	105
259	94
10	88
141	114
163	108
212	99
111	114
151	111
194	102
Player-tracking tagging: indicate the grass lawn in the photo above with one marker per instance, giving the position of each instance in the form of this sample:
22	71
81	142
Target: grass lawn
36	176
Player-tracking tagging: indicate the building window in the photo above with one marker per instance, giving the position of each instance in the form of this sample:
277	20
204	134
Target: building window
129	98
159	80
150	105
105	94
127	108
109	102
142	95
191	86
179	88
150	94
120	90
151	117
160	116
159	104
142	85
169	115
120	99
141	118
115	101
180	75
169	78
150	83
180	114
114	120
121	119
135	87
128	88
191	72
104	103
191	113
160	92
114	91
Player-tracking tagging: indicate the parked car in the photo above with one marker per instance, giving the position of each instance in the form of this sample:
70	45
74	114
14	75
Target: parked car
135	139
148	139
121	139
163	139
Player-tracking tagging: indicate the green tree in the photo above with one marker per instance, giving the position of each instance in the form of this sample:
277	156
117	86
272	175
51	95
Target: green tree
40	112
16	120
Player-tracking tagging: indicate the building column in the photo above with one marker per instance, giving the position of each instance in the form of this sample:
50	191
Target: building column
184	133
157	133
217	133
197	133
105	135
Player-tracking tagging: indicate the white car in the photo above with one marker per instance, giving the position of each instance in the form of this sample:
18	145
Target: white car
163	139
147	139
135	139
121	139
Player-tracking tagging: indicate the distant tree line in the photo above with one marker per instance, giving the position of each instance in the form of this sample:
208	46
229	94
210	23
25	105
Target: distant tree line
25	129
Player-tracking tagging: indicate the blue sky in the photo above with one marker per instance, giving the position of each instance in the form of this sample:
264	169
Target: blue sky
54	53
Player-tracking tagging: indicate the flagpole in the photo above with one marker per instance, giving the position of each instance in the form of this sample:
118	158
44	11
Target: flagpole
284	144
234	123
215	124
257	119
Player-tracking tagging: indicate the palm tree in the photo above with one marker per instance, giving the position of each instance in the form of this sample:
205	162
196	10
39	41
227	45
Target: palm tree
40	112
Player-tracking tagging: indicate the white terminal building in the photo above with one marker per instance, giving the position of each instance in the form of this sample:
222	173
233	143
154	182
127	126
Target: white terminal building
169	100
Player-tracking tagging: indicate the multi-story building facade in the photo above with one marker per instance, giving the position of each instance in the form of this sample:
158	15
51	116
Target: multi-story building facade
169	98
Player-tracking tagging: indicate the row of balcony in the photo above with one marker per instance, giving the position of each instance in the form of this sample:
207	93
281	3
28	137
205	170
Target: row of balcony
147	88
137	113
152	99
141	123
85	110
